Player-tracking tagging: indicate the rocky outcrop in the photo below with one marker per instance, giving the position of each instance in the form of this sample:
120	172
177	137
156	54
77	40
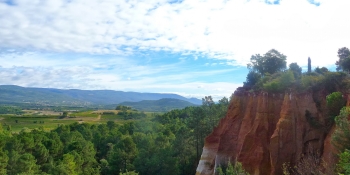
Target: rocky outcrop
264	130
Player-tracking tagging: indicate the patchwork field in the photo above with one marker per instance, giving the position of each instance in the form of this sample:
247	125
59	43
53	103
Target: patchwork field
49	120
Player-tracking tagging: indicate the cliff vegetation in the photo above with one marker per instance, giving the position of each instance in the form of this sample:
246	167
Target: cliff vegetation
284	121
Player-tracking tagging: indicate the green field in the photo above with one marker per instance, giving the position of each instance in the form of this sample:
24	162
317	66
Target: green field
49	120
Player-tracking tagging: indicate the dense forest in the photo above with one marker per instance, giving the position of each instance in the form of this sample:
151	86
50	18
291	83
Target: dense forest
171	144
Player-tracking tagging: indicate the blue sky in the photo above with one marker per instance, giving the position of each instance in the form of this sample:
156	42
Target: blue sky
194	48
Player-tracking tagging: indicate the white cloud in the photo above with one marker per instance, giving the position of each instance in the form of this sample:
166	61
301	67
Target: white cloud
228	30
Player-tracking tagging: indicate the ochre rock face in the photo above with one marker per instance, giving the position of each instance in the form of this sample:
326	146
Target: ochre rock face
264	130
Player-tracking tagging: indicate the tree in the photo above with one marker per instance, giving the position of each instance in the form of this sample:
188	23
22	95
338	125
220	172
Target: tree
321	70
335	102
344	59
64	114
272	62
341	136
3	161
309	65
236	169
296	69
252	79
343	166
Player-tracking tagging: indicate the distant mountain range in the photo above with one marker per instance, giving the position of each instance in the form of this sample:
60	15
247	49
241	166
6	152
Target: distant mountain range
164	104
50	96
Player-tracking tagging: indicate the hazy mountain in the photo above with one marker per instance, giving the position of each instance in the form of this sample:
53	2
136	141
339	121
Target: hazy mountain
17	94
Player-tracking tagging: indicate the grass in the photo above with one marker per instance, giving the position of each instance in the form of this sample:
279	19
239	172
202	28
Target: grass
50	120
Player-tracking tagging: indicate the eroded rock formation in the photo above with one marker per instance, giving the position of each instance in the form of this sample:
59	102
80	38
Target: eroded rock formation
264	130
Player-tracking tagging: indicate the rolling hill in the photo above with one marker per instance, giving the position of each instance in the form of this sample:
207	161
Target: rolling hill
50	96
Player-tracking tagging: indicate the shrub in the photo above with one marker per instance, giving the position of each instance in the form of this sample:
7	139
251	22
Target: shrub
236	169
343	166
341	136
335	102
280	83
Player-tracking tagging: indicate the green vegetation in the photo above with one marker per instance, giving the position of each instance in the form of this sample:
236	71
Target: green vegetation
271	62
235	169
10	110
169	143
343	166
341	140
268	73
344	59
335	102
123	108
162	105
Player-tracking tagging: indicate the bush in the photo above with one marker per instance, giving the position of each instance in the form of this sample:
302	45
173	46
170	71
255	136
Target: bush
236	169
343	166
341	136
335	102
281	83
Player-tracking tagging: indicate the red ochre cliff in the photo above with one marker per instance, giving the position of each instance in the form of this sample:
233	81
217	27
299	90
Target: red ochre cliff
264	130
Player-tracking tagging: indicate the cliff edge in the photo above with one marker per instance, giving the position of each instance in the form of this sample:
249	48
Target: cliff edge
265	130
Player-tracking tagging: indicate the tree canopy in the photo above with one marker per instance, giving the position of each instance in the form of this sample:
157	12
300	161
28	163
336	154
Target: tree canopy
344	59
271	62
296	69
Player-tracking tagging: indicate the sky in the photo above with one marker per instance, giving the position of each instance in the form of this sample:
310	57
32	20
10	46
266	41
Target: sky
193	48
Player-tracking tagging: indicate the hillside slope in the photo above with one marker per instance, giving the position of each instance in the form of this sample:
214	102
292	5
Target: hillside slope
17	94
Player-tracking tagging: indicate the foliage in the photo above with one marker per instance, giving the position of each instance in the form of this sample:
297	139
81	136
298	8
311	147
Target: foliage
341	140
10	110
309	164
335	102
343	166
252	79
123	108
341	136
236	169
321	70
344	59
129	173
280	83
308	65
131	115
161	105
296	69
271	62
169	144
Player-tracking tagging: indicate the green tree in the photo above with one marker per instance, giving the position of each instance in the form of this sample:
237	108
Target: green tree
280	83
335	102
67	166
322	70
296	69
26	164
308	65
272	62
236	169
341	136
129	173
343	166
252	78
123	155
344	59
64	114
3	162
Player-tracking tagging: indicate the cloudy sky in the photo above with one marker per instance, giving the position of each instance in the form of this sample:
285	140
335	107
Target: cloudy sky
193	48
